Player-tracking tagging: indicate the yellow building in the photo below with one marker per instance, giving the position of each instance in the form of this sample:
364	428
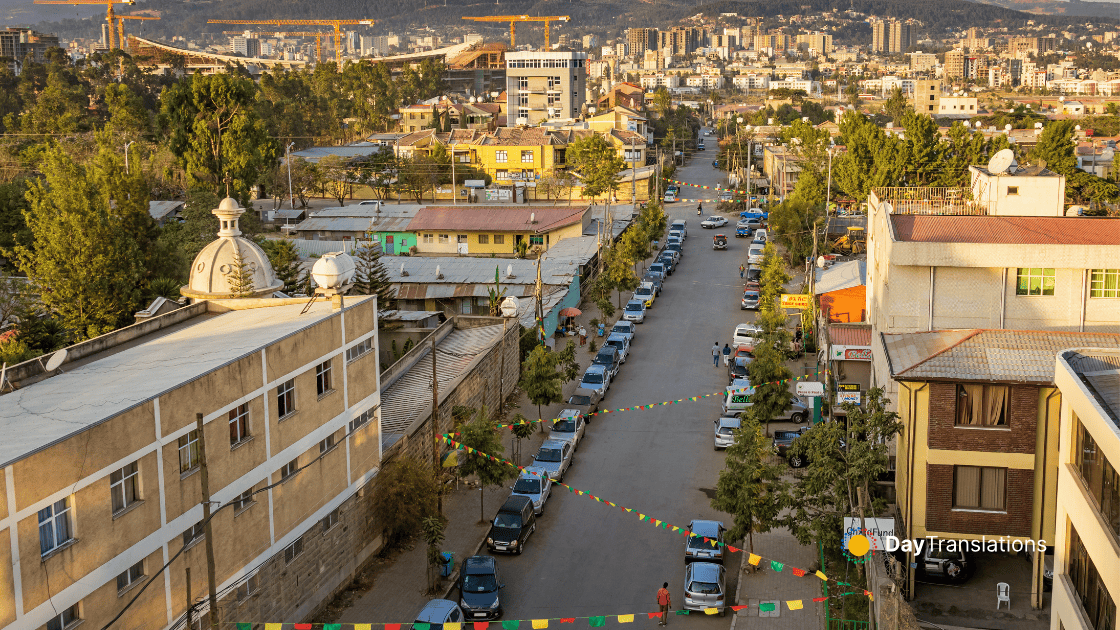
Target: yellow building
498	230
1087	536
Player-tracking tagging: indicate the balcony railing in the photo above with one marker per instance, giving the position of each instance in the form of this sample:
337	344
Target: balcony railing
928	200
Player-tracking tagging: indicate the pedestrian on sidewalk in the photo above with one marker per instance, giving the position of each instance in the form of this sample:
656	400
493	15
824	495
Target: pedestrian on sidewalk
742	270
726	353
663	601
582	336
715	354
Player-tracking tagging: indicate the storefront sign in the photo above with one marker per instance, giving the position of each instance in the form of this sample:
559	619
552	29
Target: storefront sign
847	387
848	397
810	388
877	530
857	354
795	300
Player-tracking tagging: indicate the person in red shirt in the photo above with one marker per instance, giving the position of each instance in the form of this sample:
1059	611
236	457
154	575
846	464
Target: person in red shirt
664	602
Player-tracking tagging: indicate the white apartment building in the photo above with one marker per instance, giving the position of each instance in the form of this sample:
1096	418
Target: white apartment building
810	87
705	81
544	86
752	81
958	106
654	81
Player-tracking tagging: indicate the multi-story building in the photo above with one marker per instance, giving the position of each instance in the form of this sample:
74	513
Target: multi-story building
902	37
1087	535
752	81
1023	47
481	230
16	44
654	81
771	43
957	106
705	81
922	62
682	40
245	46
891	36
956	64
880	35
819	42
640	40
544	86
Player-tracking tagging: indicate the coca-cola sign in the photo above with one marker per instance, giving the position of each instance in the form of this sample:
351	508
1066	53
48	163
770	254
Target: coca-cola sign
857	354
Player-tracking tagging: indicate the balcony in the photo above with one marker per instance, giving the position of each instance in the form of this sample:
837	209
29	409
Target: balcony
927	200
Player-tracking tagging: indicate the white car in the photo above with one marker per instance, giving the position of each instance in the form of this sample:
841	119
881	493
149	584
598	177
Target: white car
597	378
680	226
746	335
713	222
725	431
634	311
535	484
755	254
568	427
670	197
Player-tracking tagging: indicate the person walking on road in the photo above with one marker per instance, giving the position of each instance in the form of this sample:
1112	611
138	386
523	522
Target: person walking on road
726	353
715	354
742	270
663	602
582	336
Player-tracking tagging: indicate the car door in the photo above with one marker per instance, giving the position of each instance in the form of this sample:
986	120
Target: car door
566	459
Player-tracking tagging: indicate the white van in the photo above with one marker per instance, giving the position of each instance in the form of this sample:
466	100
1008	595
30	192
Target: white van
737	398
754	254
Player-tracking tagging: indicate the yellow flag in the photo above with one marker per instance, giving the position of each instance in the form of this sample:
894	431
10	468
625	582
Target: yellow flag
711	611
273	626
452	626
754	559
537	623
363	626
822	576
794	604
626	619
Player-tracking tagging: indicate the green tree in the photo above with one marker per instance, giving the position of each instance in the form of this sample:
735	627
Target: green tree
750	486
872	158
13	204
61	106
216	133
567	363
792	223
1057	147
239	276
127	115
482	435
82	258
284	258
335	177
620	271
405	495
540	379
896	105
597	163
371	277
433	535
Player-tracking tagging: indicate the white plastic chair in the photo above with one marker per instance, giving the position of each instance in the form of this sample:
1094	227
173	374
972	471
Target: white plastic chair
1003	594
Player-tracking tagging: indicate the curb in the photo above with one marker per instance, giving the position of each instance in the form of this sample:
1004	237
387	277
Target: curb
454	577
738	589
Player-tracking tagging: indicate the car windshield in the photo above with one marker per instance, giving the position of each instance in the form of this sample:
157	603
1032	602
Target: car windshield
593	377
604	358
615	343
508	521
564	426
579	400
634	307
714	218
742	361
479	584
622	328
548	455
697	542
527	485
751	295
644	291
704	588
724	431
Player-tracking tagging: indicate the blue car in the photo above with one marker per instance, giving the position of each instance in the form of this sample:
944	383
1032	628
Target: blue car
744	231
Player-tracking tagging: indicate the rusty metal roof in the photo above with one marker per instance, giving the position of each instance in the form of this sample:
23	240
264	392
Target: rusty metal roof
850	334
1007	230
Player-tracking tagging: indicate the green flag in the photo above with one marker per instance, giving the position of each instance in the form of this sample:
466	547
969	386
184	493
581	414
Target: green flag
777	566
510	624
327	626
421	626
682	611
597	622
244	626
766	607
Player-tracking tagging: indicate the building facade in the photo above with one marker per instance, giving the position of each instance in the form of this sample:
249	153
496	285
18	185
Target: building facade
544	86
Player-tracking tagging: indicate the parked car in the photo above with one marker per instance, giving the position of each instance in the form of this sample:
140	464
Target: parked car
676	249
656	279
940	564
670	196
657	269
480	588
674	240
713	222
625	328
586	401
555	457
761	235
535	484
751	224
645	292
695	548
755	253
703	586
754	274
634	311
677	234
719	241
608	358
669	260
737	366
726	195
680	225
620	343
737	396
438	612
742	231
745	336
783	440
513	525
725	431
700	145
672	188
568	427
596	378
750	300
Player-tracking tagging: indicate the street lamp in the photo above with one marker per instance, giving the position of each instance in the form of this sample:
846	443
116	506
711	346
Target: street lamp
126	169
288	152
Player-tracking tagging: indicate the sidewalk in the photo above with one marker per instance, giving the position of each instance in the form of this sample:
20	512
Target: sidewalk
768	586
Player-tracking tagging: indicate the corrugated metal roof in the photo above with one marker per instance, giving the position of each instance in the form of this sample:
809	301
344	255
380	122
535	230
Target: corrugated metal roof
920	228
845	275
409	398
1007	356
465	269
850	334
160	209
335	224
1100	371
496	218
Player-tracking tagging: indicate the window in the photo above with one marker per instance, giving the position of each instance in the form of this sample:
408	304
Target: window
286	399
522	83
429	238
66	619
323	378
461	238
1087	582
1100	477
130	577
501	174
526	157
251	585
289	469
293	550
979	488
330	520
193	534
501	157
1104	283
359	349
124	485
360	421
536	239
244	500
483	239
238	424
54	526
1034	281
499	239
326	444
443	239
1013	190
188	452
982	405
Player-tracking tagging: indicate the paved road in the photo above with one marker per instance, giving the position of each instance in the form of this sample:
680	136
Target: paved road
587	558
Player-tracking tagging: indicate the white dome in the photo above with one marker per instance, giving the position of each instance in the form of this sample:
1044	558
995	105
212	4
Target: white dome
212	267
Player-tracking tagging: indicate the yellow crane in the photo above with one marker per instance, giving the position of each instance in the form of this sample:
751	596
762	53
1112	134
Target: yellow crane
120	23
336	24
514	19
109	14
318	35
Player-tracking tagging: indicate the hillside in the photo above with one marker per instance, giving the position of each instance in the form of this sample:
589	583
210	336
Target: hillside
1061	7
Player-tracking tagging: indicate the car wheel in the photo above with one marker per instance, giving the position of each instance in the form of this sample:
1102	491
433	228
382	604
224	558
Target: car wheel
798	418
796	461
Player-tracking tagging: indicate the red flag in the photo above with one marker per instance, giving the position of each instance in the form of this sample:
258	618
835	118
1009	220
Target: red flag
820	599
733	549
481	625
738	608
302	626
567	620
798	572
653	615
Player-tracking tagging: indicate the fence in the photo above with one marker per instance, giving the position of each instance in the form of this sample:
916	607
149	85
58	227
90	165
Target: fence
927	200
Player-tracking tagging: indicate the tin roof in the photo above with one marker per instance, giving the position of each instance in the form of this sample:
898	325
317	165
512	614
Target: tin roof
850	334
1005	356
845	275
921	228
535	219
1099	370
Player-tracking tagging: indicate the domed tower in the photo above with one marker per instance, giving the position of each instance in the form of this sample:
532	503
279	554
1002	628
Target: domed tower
211	272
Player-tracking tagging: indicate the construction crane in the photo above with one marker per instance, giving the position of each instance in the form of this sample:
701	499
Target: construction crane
336	24
318	35
120	23
109	14
514	19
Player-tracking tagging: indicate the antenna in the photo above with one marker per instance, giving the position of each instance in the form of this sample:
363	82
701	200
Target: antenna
1001	161
56	360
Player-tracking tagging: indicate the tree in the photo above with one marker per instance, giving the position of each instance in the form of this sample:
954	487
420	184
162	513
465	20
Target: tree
896	105
1057	147
433	535
792	223
304	179
335	177
539	379
496	294
60	108
597	163
403	498
371	277
768	372
83	259
239	276
13	203
620	271
482	435
567	363
284	258
15	299
127	115
842	457
750	486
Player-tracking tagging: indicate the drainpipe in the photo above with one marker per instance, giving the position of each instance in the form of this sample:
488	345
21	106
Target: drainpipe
910	438
1003	298
932	269
1039	559
1084	283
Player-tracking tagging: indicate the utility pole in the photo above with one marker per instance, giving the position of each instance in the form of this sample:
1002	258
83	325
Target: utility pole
435	429
291	197
207	529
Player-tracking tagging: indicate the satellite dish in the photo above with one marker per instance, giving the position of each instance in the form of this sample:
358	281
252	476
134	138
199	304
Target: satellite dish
509	307
56	360
821	262
438	274
1007	127
1001	161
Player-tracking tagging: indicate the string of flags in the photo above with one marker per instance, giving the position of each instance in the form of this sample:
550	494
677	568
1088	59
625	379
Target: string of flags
702	186
753	558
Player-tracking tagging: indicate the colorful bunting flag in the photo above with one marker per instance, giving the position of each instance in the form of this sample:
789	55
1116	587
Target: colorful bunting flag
367	626
711	611
682	611
421	626
510	624
332	626
626	619
820	599
481	625
597	622
302	626
738	608
453	625
653	615
798	572
754	559
273	626
795	604
244	626
766	607
392	626
822	576
567	620
777	566
538	624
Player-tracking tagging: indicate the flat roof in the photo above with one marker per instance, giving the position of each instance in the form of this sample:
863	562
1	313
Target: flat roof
999	230
84	395
1099	370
